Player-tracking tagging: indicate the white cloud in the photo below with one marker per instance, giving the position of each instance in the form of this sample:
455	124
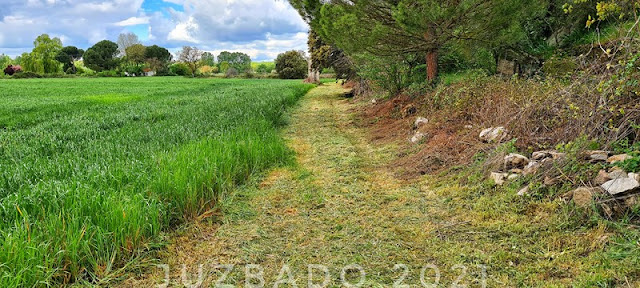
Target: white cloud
133	21
260	28
184	31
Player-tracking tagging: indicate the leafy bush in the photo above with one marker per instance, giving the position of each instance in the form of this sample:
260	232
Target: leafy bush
108	73
180	69
25	75
291	65
231	72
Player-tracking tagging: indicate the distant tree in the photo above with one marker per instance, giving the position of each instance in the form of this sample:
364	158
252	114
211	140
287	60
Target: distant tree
223	66
102	56
208	59
157	52
67	56
191	56
126	40
264	68
136	53
291	65
44	54
5	61
157	57
240	61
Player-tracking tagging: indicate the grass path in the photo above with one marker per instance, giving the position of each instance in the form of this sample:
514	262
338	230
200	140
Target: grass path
340	206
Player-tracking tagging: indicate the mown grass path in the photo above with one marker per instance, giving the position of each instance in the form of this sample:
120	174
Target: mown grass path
340	206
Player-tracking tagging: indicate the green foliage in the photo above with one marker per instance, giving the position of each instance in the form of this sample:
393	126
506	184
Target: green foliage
559	67
240	61
208	59
136	53
291	65
263	67
5	61
67	56
158	53
179	69
102	56
26	75
93	169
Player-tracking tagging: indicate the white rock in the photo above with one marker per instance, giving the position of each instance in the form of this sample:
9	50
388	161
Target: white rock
513	176
417	137
498	178
620	185
514	160
524	191
539	155
494	134
374	101
420	121
617	173
468	126
634	176
531	168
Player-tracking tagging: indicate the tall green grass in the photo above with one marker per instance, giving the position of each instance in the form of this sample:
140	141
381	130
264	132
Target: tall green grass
91	170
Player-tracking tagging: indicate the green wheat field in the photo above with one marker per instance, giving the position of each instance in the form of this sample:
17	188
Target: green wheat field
92	170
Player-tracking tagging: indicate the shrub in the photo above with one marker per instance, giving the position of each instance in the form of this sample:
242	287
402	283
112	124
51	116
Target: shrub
206	70
291	65
25	75
249	75
231	72
180	69
108	73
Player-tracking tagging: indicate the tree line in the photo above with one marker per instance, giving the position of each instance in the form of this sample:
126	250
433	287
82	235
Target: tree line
397	43
127	56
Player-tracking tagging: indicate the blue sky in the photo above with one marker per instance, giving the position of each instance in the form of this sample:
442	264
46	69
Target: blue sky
260	28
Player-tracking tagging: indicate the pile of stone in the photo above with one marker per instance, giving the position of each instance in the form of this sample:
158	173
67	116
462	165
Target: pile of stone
619	189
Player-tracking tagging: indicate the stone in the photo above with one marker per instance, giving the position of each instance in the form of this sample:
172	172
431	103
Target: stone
634	176
618	158
419	122
513	176
597	156
583	196
541	155
374	101
602	177
514	160
468	127
498	178
620	185
417	137
617	172
493	135
531	168
524	191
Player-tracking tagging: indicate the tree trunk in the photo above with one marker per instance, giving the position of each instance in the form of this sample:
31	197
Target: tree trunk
432	65
432	55
313	75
